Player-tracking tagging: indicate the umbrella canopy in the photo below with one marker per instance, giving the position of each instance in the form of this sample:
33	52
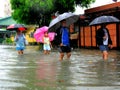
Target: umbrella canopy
104	19
68	16
39	33
15	27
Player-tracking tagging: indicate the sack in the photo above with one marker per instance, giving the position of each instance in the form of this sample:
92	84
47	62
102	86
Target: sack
26	42
74	36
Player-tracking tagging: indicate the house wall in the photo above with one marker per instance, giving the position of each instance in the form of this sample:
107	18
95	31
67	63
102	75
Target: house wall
29	37
118	36
87	35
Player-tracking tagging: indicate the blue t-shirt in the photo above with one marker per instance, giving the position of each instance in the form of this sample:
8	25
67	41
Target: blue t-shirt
65	36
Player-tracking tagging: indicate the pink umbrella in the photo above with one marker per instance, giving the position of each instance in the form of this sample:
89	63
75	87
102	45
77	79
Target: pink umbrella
39	33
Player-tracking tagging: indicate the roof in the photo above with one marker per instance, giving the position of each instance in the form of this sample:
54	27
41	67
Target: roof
4	31
104	7
7	21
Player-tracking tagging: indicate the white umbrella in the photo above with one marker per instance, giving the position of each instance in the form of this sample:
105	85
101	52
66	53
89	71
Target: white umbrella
68	16
104	19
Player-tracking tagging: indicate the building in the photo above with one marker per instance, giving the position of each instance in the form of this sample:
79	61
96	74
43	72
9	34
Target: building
4	34
86	38
4	22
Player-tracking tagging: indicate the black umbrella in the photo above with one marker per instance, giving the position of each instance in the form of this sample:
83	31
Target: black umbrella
16	27
68	16
104	19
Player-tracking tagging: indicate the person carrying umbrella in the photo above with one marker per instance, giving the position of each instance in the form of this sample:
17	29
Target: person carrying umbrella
20	42
46	43
103	40
64	41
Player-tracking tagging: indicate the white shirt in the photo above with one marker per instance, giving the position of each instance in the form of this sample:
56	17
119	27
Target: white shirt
105	42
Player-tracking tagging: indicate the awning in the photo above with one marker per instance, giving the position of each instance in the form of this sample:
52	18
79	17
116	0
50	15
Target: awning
7	21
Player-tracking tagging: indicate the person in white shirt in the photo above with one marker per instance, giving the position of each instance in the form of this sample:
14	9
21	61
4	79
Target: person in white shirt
46	43
103	40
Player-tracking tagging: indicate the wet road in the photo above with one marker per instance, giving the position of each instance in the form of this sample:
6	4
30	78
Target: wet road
36	71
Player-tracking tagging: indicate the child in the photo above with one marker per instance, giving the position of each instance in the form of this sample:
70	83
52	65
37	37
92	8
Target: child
46	43
20	42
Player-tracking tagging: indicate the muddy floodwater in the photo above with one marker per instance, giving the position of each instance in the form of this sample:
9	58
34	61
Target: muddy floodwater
36	71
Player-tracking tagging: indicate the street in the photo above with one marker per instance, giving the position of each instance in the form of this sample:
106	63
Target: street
35	71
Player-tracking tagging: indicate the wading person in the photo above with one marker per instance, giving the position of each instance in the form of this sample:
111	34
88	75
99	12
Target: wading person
46	43
64	41
103	40
20	42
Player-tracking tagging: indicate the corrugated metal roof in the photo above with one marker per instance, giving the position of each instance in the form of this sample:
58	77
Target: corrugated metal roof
7	21
4	31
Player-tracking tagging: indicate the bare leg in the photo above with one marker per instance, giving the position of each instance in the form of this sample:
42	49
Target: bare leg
61	56
48	51
45	52
105	55
68	55
19	52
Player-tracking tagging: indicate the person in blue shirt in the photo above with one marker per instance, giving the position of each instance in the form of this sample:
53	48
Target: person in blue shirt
20	42
64	41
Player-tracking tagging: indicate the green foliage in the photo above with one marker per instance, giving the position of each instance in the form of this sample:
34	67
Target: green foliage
69	5
31	11
64	6
84	3
39	11
8	41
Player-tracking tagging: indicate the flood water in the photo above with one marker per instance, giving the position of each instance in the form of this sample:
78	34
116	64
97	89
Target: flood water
36	71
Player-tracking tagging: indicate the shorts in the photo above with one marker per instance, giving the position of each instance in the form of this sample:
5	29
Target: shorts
103	47
64	49
20	48
46	47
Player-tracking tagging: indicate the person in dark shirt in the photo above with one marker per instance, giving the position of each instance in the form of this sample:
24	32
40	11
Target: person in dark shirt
103	40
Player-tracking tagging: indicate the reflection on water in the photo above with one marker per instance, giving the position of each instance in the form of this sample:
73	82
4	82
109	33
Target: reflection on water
36	71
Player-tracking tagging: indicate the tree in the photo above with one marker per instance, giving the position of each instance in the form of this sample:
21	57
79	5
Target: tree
39	11
69	5
31	11
84	3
